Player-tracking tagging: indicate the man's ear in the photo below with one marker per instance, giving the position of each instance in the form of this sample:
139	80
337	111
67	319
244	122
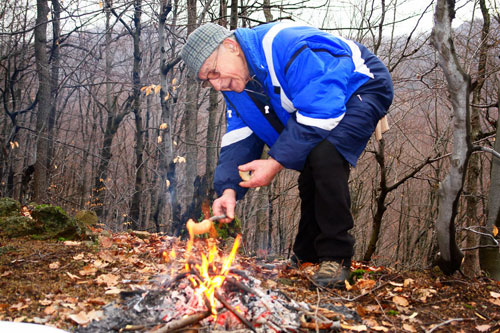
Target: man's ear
231	44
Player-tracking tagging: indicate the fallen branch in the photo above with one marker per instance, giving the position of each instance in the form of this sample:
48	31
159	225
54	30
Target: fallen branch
446	322
183	322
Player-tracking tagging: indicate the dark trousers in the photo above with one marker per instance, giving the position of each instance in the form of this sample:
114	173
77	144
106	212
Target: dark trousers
325	208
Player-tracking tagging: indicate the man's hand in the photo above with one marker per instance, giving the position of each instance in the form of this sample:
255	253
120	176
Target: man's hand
225	204
263	172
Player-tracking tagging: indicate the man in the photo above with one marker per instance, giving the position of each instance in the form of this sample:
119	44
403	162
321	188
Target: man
314	99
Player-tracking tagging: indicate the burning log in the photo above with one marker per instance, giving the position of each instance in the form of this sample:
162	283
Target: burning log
183	322
233	311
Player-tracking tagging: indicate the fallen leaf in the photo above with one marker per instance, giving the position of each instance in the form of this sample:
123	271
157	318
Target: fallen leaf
483	328
396	284
347	285
71	243
55	265
71	306
19	319
73	276
409	328
99	264
38	320
408	282
19	306
365	284
45	302
357	328
107	279
97	301
380	328
400	300
495	231
7	273
494	294
106	242
83	318
88	270
79	256
107	256
113	291
495	301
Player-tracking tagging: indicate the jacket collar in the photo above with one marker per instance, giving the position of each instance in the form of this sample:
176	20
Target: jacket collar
252	49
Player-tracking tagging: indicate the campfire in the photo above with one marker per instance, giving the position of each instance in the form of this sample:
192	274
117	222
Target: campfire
208	290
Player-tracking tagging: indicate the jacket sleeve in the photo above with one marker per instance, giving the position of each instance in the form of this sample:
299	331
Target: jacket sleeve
316	83
239	146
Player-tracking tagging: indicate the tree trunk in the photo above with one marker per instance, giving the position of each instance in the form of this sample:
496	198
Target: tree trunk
44	103
490	256
450	257
135	205
55	62
191	126
165	148
471	260
113	120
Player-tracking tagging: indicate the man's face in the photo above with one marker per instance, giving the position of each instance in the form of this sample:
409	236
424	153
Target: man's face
226	68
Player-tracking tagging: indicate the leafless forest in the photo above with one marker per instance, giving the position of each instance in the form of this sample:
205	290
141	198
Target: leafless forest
97	113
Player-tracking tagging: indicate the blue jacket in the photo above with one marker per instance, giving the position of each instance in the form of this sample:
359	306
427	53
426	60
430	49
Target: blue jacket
302	80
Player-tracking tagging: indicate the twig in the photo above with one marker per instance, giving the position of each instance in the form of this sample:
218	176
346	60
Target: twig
446	322
233	311
183	322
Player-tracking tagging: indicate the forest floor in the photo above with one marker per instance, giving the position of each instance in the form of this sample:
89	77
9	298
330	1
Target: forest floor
65	283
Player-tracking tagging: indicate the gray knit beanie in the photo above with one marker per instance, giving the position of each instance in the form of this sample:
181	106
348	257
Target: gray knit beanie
201	43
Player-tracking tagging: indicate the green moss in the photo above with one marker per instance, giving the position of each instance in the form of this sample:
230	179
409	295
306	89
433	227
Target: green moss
9	207
17	226
87	217
392	313
57	224
358	273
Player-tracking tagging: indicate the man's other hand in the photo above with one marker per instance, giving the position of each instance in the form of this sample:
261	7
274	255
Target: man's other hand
262	172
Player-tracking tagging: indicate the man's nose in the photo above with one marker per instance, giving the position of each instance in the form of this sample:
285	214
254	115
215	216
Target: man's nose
215	83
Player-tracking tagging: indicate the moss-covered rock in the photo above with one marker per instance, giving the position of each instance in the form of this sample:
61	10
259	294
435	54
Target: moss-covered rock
17	226
9	207
87	217
57	224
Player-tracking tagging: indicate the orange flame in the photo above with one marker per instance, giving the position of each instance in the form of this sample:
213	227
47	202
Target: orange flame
209	276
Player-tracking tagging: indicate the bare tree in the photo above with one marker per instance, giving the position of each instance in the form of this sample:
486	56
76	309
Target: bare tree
450	257
489	253
45	103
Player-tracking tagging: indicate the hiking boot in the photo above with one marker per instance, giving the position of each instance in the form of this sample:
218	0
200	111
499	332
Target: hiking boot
331	274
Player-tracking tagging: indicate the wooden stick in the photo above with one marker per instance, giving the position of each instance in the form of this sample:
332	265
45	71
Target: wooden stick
235	312
183	322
